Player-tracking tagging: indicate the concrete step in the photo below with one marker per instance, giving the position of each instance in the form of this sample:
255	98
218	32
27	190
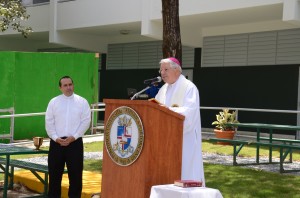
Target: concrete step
91	182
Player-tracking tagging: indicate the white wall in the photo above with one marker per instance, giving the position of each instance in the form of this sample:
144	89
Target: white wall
192	7
85	13
93	24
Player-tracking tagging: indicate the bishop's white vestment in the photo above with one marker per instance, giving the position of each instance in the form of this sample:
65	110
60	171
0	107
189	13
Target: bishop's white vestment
183	98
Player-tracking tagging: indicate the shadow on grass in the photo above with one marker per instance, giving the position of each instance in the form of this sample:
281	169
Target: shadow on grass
93	165
233	181
240	182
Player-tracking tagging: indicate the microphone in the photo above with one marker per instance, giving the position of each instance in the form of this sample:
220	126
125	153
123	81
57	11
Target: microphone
152	80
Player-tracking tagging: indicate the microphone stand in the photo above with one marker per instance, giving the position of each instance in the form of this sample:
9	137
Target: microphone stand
138	93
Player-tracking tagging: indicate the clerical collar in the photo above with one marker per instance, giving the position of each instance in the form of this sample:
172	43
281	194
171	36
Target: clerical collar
68	97
174	84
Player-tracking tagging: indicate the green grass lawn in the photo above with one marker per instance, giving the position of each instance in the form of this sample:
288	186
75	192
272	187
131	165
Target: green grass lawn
240	182
233	181
247	151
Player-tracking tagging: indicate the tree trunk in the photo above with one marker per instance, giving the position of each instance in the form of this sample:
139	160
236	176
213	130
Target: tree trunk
171	46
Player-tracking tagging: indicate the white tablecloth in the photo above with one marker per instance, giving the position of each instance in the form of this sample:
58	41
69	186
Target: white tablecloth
172	191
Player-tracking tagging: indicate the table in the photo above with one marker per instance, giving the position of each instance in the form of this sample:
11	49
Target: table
270	128
172	191
7	151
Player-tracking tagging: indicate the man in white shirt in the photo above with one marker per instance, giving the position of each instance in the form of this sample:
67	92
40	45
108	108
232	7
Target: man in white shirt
181	95
68	117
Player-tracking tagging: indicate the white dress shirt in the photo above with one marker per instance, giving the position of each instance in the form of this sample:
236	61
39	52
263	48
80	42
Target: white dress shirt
67	116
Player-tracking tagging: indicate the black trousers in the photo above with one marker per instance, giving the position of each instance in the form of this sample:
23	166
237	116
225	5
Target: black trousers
72	156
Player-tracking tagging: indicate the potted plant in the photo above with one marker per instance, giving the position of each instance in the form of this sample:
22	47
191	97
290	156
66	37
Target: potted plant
222	130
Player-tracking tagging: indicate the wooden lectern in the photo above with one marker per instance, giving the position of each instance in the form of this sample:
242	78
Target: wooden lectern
160	159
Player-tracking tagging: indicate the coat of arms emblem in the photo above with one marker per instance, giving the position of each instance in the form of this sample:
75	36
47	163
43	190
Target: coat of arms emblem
124	136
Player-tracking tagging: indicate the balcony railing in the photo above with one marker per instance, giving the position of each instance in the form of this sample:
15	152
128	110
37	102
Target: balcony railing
28	3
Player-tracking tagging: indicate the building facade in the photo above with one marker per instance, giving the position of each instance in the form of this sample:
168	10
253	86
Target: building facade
239	53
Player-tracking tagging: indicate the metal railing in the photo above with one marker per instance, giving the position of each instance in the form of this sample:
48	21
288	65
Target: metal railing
258	110
95	108
9	136
100	107
250	109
